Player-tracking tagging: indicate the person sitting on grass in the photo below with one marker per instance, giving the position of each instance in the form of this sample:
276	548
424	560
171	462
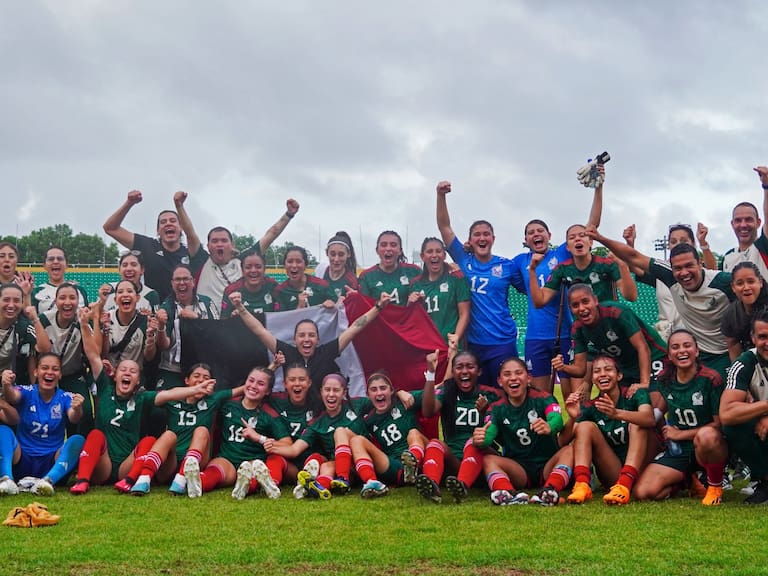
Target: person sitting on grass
610	432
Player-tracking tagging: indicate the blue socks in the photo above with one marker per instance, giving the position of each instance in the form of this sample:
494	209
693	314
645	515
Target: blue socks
7	446
66	463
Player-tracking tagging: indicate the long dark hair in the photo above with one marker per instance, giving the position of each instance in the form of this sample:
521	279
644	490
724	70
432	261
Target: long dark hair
446	267
668	373
450	397
343	238
401	258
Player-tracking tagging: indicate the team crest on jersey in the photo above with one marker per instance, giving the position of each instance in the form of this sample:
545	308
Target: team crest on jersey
496	271
56	412
202	405
590	344
252	421
697	399
396	413
351	415
308	290
404	280
308	416
185	259
268	298
594	277
712	303
532	416
552	264
444	287
131	405
612	336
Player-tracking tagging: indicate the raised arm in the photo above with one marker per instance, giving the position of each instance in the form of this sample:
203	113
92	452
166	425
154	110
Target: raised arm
443	218
42	341
357	326
181	392
464	309
643	358
627	283
10	393
8	414
114	224
291	208
253	324
540	295
193	240
710	262
596	210
631	256
91	345
430	405
762	172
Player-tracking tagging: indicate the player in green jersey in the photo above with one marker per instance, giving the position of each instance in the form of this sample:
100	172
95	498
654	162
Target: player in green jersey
250	429
527	427
690	394
611	431
341	270
393	427
300	290
393	274
113	450
255	288
444	294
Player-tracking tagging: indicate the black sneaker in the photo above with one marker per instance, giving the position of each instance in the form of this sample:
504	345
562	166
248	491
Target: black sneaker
760	495
457	488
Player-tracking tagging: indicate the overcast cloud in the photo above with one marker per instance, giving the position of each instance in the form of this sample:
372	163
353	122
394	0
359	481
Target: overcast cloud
357	109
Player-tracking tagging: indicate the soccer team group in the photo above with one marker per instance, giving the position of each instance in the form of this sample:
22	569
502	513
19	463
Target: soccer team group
94	393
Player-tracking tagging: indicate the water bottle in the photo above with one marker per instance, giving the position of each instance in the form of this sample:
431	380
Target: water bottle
673	447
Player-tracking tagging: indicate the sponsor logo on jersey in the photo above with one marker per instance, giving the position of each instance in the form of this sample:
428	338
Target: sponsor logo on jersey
293	298
612	336
697	399
443	287
529	364
379	284
601	422
496	271
33	408
160	253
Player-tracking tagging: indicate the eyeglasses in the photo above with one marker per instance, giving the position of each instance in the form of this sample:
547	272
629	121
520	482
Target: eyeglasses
125	253
182	280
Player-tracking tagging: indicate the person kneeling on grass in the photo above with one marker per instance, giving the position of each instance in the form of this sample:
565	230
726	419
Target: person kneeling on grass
393	427
250	428
114	450
526	426
690	393
41	456
610	431
327	470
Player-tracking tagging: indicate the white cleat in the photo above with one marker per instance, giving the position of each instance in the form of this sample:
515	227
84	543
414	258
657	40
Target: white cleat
261	473
243	483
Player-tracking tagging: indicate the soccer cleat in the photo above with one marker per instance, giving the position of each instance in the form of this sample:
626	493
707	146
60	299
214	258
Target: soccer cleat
714	496
547	496
299	492
727	483
519	497
618	495
311	486
141	486
581	493
26	484
340	485
501	497
760	494
410	467
457	488
42	487
428	488
749	489
313	467
262	475
243	482
123	486
8	486
374	489
192	476
179	486
80	487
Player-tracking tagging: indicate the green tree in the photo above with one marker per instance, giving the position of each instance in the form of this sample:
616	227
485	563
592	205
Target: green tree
244	242
274	255
80	248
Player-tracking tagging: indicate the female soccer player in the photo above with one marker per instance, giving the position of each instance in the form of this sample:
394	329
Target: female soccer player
184	302
492	332
63	329
751	299
250	429
393	274
44	295
9	258
41	457
444	294
8	417
526	426
300	290
320	359
399	445
690	394
256	289
326	438
21	334
610	431
131	267
341	271
113	450
612	329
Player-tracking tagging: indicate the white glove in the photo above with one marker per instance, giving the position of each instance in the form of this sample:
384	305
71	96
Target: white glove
588	175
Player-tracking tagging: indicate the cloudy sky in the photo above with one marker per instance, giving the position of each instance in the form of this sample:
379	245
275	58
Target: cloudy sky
357	109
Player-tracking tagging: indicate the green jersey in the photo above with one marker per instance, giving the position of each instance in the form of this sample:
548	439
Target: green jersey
264	420
513	429
338	287
616	432
389	429
319	433
316	289
184	417
256	302
601	274
296	418
441	299
374	281
120	419
611	335
693	404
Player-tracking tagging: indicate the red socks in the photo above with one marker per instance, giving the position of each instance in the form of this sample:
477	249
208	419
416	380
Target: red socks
343	457
94	447
434	461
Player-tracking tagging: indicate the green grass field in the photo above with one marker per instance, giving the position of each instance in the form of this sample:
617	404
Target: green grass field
106	533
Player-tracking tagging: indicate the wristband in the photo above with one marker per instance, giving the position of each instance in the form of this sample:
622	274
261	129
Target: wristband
704	246
289	215
429	376
262	438
378	307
